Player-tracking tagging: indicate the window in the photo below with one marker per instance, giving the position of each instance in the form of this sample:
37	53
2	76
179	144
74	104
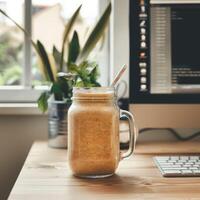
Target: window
20	77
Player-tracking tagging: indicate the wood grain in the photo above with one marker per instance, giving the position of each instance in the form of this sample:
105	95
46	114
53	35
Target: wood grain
46	175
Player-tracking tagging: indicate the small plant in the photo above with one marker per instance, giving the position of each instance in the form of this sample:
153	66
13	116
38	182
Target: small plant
80	71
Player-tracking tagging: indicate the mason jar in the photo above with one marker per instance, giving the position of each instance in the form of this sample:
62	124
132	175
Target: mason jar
93	132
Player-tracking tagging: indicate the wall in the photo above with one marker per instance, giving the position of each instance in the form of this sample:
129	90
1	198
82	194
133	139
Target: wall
119	39
17	134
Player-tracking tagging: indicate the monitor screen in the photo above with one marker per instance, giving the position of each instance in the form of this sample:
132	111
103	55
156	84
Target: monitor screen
185	46
175	40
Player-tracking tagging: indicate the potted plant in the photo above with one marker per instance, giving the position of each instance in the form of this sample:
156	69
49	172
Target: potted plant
63	73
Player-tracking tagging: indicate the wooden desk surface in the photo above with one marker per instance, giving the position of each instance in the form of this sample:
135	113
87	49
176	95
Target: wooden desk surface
45	175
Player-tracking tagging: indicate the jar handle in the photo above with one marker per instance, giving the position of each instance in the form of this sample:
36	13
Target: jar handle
133	133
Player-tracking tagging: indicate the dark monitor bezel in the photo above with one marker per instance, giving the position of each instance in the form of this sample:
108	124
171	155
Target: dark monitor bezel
134	94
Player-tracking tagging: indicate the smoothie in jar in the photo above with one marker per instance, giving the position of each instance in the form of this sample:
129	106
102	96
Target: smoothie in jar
93	124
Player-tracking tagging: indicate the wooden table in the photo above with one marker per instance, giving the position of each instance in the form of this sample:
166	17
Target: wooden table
45	175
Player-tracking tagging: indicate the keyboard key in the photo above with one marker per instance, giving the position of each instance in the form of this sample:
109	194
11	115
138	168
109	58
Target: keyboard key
177	165
167	166
171	172
171	161
194	157
193	168
186	171
196	172
183	157
175	168
187	165
180	163
164	162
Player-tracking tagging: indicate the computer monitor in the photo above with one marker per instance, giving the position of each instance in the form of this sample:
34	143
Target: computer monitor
165	63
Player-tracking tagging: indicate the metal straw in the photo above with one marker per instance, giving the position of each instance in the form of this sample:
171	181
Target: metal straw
118	76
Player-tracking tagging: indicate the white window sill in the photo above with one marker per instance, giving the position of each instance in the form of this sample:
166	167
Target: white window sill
19	109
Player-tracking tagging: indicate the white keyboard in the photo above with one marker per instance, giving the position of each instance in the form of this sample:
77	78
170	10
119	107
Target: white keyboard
178	166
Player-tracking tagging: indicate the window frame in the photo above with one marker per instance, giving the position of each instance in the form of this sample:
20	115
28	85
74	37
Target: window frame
119	40
25	93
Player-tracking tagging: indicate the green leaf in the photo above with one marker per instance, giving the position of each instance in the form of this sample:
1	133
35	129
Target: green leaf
53	66
57	91
73	68
56	55
43	101
95	35
84	65
80	84
87	74
102	41
96	84
68	28
66	87
22	29
45	60
74	48
94	75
